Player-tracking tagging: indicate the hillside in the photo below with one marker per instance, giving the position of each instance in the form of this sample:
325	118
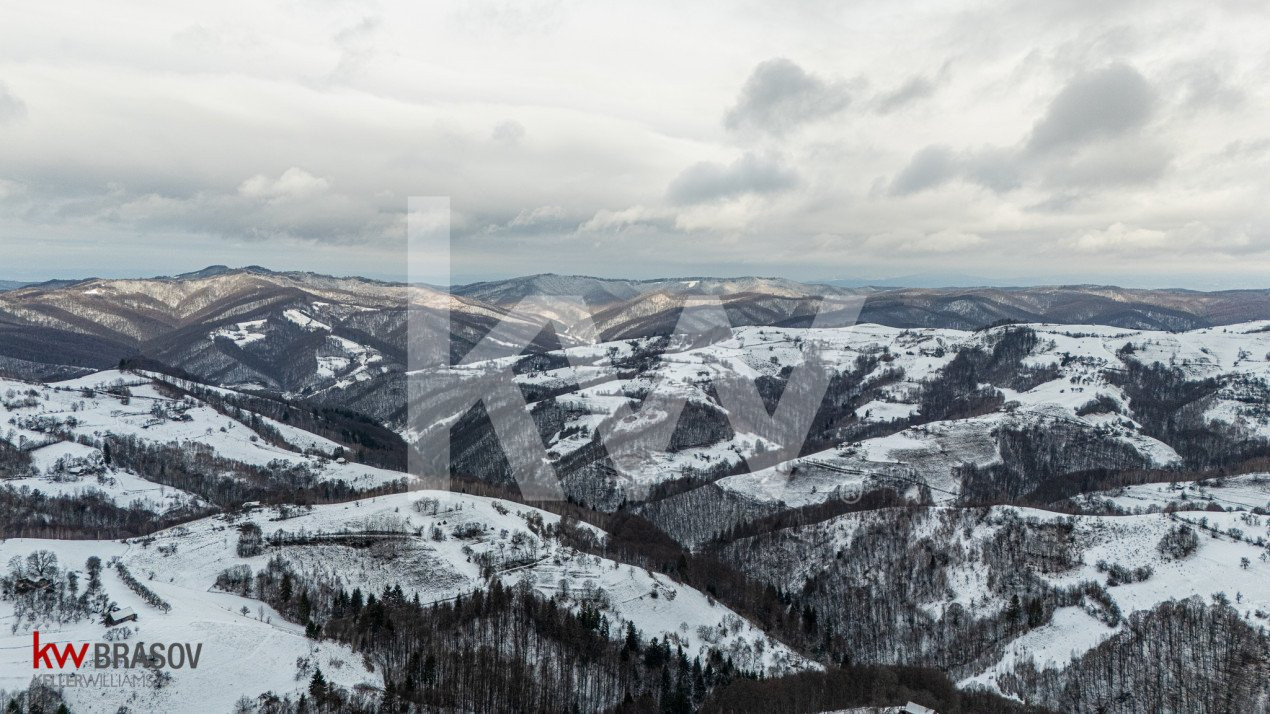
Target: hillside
436	546
1020	513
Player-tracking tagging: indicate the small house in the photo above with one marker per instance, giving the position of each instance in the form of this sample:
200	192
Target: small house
118	617
915	708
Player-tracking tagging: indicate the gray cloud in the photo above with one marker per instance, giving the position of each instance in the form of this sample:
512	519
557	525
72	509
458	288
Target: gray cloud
913	90
11	107
750	174
1087	138
780	95
1204	86
928	168
995	168
1105	104
508	132
1124	163
1243	149
295	204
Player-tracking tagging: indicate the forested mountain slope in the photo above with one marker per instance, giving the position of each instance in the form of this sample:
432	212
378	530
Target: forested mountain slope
1070	517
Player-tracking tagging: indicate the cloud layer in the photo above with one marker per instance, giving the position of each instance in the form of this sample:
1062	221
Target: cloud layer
1004	139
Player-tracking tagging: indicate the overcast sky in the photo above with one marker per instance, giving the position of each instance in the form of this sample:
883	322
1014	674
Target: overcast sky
1022	141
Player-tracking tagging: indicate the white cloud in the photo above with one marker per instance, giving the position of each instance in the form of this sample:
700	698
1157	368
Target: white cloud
293	184
1192	238
11	107
919	243
945	241
629	218
536	216
1119	237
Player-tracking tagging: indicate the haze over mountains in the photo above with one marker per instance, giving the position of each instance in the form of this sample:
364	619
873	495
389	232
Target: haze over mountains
173	318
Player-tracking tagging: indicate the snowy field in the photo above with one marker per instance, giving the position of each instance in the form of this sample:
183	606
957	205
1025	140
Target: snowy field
242	653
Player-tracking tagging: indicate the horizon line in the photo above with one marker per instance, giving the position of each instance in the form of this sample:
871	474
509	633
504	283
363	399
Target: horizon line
921	281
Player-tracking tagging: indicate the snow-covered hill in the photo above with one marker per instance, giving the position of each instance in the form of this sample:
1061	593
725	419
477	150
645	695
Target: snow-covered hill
1229	565
247	648
993	595
63	424
436	545
1075	389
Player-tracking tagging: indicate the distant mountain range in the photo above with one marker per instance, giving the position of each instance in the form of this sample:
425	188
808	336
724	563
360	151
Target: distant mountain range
779	301
925	280
342	340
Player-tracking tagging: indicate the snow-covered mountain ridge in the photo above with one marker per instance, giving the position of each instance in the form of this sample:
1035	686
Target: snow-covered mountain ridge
1020	508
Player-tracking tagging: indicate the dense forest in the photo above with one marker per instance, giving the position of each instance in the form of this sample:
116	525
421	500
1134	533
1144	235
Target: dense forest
1203	658
504	649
